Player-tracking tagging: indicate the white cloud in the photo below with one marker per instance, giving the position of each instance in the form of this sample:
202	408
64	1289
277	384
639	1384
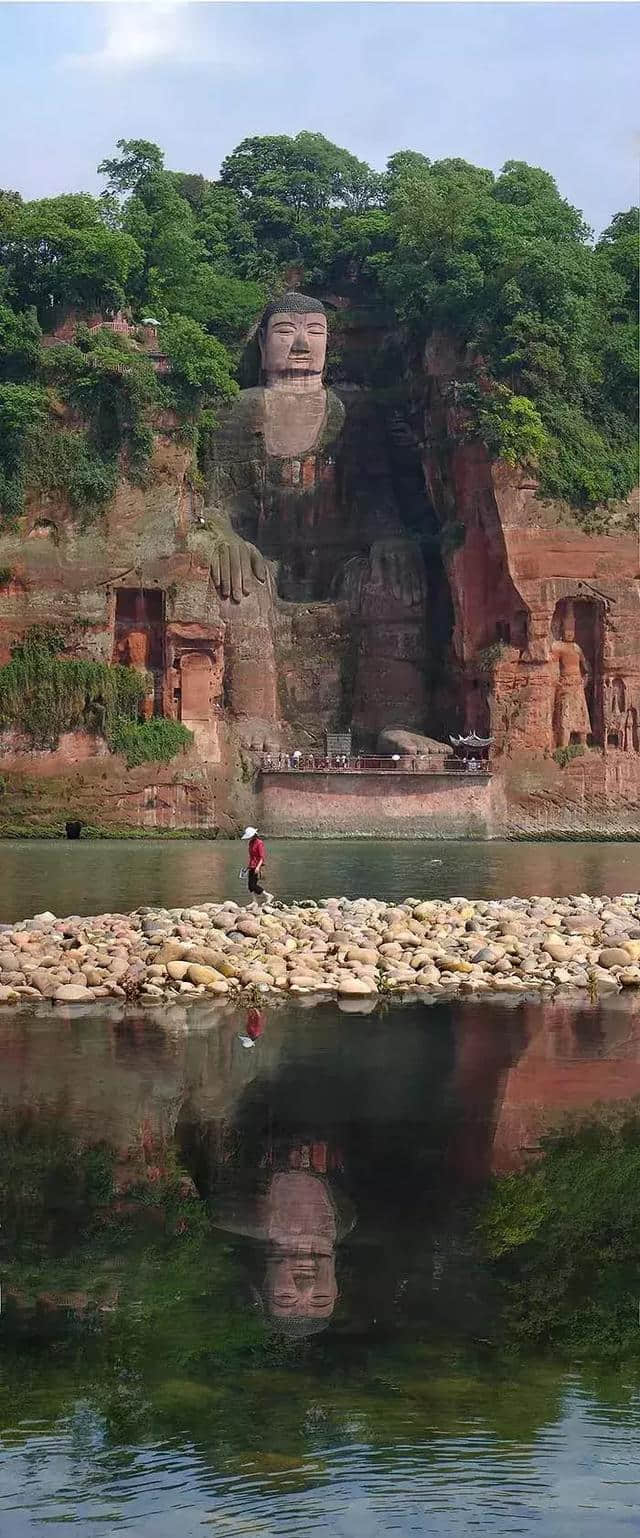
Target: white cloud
139	36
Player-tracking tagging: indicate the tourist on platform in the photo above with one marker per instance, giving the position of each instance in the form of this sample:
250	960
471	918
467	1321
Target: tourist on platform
255	866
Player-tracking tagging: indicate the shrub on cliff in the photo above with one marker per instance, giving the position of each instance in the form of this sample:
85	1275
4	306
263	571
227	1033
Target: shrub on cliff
43	694
114	387
200	365
19	344
148	742
23	409
66	462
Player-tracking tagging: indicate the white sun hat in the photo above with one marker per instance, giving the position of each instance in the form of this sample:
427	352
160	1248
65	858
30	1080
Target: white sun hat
249	833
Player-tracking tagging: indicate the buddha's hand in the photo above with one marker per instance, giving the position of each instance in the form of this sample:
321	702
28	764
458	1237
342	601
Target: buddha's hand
397	568
236	567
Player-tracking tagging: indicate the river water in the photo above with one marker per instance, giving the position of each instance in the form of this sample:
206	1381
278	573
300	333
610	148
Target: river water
119	875
315	1284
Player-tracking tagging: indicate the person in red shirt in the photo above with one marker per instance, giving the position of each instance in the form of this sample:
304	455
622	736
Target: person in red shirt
256	860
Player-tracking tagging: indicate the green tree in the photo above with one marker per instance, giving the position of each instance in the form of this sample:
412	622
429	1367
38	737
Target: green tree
59	252
505	266
200	365
138	160
19	344
305	174
115	388
295	192
22	409
163	227
225	306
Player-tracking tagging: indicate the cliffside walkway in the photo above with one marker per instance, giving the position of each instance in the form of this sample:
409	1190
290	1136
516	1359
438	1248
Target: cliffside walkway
366	764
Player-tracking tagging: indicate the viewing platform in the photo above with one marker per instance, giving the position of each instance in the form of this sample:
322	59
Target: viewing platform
374	797
421	764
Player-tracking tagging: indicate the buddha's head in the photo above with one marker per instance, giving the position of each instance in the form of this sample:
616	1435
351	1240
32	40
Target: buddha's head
300	1284
300	1281
292	338
568	623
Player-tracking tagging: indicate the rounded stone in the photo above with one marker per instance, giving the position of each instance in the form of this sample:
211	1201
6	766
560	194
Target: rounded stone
201	974
614	956
177	970
73	993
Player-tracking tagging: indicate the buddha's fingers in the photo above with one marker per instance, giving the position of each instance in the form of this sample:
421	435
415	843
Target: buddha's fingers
398	588
225	572
215	569
417	585
236	572
257	565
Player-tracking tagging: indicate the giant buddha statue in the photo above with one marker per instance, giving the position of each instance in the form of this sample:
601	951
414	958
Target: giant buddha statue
294	520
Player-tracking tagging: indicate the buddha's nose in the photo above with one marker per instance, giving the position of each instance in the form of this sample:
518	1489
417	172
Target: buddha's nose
300	342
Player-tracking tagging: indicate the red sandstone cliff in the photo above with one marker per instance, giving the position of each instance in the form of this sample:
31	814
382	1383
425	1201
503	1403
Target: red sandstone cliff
345	628
518	568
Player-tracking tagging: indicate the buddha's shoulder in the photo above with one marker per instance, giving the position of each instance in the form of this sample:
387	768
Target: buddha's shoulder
245	413
336	412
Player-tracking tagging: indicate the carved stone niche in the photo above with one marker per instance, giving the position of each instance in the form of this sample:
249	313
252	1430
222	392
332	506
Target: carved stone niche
194	681
139	637
577	631
620	715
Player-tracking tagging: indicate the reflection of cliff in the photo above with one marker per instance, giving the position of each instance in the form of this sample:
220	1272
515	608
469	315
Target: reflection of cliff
474	1092
517	1076
573	1060
340	1161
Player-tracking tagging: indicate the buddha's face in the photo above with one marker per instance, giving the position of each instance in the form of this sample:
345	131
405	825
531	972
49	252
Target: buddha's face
300	1284
568	625
294	346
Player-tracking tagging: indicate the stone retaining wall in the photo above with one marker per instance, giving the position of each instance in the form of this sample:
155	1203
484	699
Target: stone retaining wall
379	804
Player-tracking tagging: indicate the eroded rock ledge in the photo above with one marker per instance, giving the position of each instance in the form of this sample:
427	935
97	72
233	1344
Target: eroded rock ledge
361	948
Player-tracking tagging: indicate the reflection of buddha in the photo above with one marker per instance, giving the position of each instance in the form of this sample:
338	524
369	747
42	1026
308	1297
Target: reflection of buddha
301	1229
299	1219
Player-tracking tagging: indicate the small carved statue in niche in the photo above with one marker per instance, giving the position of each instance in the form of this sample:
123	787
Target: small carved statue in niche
630	737
615	709
137	649
200	685
571	722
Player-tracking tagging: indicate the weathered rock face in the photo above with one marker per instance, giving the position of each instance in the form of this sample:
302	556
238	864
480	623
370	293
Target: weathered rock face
547	616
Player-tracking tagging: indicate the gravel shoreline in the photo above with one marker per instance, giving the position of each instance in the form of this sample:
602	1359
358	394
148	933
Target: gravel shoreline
359	949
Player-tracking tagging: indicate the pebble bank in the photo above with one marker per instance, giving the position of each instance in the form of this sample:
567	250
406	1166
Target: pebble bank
350	949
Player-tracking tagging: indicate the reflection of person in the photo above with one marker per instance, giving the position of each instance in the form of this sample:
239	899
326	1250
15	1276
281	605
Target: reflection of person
256	859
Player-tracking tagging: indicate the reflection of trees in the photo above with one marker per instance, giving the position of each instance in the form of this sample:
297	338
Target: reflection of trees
562	1237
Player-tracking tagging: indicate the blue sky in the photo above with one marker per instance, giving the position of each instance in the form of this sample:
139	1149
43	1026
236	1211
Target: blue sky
554	84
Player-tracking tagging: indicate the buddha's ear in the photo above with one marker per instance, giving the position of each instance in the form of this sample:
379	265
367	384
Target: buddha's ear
262	340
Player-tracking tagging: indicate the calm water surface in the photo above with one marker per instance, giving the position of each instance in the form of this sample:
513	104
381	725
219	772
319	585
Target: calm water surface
248	1289
88	877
